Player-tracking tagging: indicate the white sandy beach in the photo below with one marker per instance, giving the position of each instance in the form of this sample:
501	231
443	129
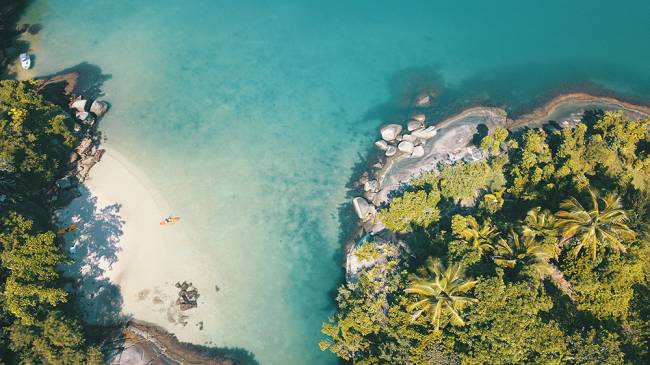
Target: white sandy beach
124	254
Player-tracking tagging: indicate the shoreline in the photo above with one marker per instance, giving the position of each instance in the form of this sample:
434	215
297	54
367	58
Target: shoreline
146	342
453	142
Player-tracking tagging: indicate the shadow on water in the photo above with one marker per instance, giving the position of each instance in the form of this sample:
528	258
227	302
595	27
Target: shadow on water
84	79
517	88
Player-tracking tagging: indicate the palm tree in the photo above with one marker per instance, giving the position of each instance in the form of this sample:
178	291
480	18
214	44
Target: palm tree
524	251
539	223
595	227
442	292
481	237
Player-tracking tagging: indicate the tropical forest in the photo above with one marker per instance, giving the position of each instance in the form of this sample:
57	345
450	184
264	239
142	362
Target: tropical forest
538	254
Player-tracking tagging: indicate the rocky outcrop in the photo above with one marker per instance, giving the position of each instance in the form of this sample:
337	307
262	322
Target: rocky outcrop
99	108
382	145
365	211
187	296
390	132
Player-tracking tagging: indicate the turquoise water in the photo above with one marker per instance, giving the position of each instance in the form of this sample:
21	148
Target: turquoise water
249	117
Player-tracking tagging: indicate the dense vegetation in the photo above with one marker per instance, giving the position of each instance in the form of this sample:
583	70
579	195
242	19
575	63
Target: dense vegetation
36	140
537	255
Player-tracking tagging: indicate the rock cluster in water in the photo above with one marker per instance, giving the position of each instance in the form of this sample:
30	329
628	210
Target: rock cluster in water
394	143
187	296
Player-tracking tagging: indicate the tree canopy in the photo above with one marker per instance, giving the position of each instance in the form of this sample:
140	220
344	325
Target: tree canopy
553	226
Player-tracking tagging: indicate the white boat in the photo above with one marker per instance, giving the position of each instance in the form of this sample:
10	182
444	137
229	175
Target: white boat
25	61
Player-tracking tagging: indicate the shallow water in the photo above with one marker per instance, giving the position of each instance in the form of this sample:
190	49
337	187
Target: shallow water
249	118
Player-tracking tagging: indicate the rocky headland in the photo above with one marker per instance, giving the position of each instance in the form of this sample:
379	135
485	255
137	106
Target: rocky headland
406	150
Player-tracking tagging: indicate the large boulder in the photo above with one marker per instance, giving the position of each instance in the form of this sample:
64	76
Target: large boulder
363	209
418	151
406	147
390	151
371	185
425	133
99	108
414	125
419	117
390	131
79	105
409	138
382	145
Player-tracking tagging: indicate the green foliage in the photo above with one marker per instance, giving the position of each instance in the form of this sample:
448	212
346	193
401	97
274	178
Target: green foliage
36	141
463	181
34	136
492	202
599	315
507	326
524	252
481	237
413	208
492	143
441	293
600	226
55	340
533	169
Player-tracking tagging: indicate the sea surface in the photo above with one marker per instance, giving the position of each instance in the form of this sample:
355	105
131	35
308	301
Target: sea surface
250	118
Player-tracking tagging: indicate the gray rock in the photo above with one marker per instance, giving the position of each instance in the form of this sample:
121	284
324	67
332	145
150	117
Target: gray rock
390	131
363	209
409	138
84	146
391	151
425	133
370	195
371	185
382	145
414	125
419	117
418	152
79	105
99	108
82	116
406	146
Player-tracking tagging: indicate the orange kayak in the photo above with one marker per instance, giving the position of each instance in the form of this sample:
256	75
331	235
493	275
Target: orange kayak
67	229
169	220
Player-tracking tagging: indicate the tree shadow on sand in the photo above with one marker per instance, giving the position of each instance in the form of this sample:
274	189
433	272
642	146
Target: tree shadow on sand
93	247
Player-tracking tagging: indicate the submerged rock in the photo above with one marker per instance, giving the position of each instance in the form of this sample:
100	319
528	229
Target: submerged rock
390	132
423	100
419	117
406	146
382	145
390	151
